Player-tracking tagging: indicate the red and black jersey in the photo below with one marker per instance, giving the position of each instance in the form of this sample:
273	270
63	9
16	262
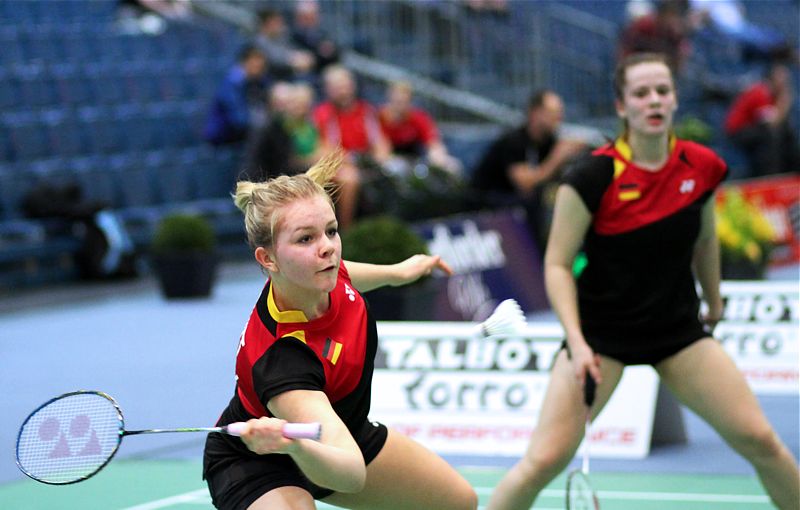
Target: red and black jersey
281	351
641	241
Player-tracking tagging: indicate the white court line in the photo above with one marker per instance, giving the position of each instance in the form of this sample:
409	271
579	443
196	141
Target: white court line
188	497
201	497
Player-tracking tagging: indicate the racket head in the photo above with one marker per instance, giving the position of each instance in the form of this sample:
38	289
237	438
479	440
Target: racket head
70	438
580	495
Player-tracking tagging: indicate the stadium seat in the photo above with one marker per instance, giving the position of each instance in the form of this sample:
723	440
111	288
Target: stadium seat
27	136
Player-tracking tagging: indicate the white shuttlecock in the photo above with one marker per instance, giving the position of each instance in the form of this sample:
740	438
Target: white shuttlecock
507	319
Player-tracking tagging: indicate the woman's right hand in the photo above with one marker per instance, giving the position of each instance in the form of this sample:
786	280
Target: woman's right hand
265	435
584	360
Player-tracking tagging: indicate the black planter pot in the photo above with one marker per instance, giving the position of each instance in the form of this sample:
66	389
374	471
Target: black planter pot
185	274
414	302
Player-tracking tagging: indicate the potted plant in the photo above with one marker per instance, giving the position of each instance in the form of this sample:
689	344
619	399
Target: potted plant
745	236
184	255
387	240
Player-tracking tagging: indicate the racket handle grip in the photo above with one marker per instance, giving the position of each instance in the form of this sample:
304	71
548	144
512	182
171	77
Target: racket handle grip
234	429
290	430
589	390
303	431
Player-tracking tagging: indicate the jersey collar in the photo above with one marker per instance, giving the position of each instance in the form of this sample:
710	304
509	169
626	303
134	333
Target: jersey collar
623	153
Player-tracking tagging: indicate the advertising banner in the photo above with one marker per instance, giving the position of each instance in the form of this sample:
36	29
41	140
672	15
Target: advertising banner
760	331
493	257
461	394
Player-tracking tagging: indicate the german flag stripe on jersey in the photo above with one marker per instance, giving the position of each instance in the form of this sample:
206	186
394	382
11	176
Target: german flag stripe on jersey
635	196
331	350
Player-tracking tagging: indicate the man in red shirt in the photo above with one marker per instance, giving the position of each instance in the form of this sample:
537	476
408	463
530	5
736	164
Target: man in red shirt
411	131
352	123
758	122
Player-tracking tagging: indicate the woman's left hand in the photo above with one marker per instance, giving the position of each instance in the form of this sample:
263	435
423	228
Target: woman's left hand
417	266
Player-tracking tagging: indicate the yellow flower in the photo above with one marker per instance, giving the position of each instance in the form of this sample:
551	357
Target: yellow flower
743	230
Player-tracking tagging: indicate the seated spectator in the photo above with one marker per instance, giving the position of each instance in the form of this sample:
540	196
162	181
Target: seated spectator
286	61
728	18
523	162
352	123
308	34
663	31
238	105
290	143
411	131
150	16
758	123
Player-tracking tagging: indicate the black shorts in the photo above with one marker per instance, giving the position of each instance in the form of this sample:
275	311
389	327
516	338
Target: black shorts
645	348
237	480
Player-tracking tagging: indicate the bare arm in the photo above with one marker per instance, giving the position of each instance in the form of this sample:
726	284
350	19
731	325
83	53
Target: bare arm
706	264
334	462
366	277
571	220
525	177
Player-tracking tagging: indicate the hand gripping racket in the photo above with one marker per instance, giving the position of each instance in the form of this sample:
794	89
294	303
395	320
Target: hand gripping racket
580	495
72	437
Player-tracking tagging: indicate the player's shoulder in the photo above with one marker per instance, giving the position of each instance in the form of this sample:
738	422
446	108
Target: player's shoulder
700	156
598	163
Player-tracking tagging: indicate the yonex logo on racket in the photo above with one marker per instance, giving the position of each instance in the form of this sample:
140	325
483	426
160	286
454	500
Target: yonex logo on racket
50	430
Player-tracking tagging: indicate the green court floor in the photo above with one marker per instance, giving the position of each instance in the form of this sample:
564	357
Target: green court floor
176	485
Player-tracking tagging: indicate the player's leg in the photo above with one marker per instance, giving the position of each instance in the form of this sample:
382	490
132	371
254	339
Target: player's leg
556	437
407	476
705	378
284	498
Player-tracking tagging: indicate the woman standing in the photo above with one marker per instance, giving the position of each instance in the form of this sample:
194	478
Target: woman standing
642	208
306	355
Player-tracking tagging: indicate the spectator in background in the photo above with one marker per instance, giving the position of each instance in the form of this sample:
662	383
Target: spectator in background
663	31
728	18
308	34
520	164
286	61
411	131
352	123
758	123
238	105
290	143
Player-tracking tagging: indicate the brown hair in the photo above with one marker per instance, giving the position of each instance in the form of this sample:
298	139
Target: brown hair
632	60
259	201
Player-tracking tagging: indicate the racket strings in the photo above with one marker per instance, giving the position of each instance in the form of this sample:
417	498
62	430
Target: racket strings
70	438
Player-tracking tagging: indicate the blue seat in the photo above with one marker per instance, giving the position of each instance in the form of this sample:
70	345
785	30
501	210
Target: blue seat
170	176
27	136
67	135
98	181
135	182
13	186
102	132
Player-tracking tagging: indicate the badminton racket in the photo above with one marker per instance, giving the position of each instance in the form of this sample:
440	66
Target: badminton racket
70	438
580	495
506	319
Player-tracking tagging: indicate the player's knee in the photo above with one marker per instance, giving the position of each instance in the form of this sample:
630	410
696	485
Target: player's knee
545	463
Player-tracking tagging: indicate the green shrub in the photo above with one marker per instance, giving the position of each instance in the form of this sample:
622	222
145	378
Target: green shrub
694	129
381	240
183	233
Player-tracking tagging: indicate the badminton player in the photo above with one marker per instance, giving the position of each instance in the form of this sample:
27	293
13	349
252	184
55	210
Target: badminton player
642	209
306	355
